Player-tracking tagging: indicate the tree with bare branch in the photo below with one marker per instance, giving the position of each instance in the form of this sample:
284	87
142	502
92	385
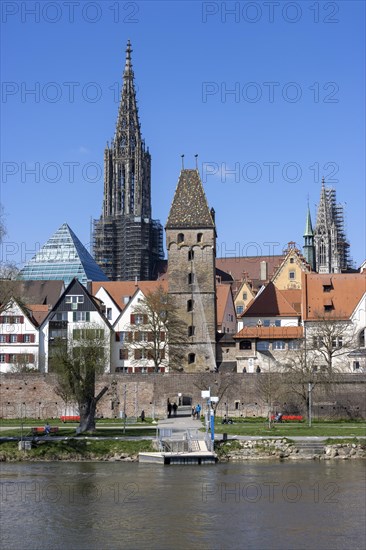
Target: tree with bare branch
8	270
330	337
156	332
77	366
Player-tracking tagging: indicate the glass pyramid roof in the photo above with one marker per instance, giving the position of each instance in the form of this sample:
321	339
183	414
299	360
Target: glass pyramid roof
63	257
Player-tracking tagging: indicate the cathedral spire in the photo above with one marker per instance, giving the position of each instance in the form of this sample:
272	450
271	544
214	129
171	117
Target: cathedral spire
308	249
127	241
128	72
128	134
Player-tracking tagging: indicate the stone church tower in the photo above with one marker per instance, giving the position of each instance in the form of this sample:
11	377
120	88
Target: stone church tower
308	248
191	245
127	242
331	245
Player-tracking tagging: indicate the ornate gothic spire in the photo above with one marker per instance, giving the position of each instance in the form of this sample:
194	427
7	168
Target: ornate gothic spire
128	133
127	163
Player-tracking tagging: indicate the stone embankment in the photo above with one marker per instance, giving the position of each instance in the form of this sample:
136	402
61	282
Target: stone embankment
285	449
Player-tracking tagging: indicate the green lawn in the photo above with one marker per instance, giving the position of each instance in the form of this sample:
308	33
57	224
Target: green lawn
289	429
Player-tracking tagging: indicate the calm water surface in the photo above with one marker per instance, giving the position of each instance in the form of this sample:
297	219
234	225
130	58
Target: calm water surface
258	505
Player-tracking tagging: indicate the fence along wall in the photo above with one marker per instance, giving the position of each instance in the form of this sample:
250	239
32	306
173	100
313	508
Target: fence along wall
34	395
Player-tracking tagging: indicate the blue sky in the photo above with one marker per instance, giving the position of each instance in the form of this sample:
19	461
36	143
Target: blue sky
270	95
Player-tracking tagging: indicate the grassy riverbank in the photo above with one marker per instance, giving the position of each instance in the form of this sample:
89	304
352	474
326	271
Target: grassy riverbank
75	449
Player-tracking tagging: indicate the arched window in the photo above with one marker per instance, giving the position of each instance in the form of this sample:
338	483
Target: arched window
180	238
190	255
190	305
190	278
199	237
191	358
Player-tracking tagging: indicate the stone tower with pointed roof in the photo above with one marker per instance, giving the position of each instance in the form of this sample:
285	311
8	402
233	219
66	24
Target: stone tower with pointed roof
191	245
308	248
331	245
127	241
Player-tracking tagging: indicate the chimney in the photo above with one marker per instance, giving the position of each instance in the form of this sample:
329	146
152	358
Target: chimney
263	271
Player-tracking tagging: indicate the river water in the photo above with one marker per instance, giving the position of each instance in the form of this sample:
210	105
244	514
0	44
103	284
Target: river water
253	504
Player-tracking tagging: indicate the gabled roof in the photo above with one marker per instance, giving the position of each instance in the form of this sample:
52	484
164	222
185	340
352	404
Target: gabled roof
270	303
270	333
75	287
26	310
223	295
298	259
120	289
189	208
339	291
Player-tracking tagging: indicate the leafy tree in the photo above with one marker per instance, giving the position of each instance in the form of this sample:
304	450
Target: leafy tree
77	366
157	333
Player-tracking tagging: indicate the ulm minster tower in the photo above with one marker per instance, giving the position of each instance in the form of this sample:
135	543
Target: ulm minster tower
127	241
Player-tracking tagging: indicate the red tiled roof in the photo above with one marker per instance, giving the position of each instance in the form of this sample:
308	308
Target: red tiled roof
250	265
270	303
270	333
39	312
343	293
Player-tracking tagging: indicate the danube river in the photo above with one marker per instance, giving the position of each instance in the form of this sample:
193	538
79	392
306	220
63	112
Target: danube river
252	504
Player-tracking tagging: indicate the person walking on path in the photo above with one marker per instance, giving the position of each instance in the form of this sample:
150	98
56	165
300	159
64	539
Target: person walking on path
198	411
169	407
175	407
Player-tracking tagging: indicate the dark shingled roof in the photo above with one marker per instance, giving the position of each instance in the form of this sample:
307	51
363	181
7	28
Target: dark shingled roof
189	207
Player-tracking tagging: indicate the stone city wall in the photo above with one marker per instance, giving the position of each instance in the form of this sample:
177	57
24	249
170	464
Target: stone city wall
35	395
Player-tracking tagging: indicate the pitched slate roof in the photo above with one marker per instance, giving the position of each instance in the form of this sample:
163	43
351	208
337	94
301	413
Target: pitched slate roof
189	208
120	289
343	293
270	303
38	292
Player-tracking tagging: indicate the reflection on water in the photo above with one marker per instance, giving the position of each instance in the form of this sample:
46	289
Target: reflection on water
255	505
